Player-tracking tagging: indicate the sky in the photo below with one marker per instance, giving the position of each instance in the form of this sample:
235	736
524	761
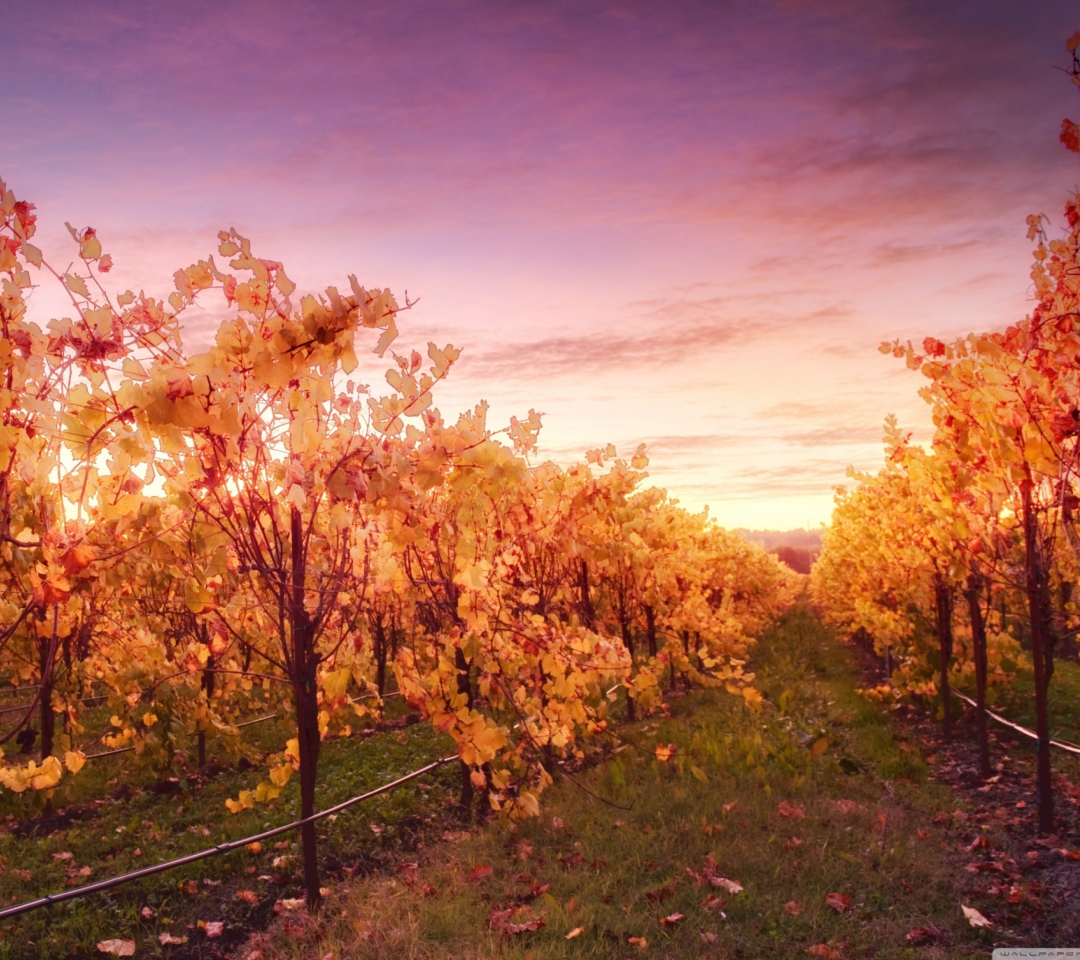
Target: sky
688	224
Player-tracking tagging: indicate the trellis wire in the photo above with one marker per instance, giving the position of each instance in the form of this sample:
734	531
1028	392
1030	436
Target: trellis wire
75	892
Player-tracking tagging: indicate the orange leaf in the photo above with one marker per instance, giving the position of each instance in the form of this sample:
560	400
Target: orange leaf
711	903
1070	136
480	874
840	902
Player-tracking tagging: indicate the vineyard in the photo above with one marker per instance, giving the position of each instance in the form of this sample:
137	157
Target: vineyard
254	610
198	544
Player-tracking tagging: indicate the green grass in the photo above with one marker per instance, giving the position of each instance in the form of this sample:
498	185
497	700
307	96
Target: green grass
616	869
126	827
1017	702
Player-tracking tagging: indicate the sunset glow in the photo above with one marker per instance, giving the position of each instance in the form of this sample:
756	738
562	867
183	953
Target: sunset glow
688	224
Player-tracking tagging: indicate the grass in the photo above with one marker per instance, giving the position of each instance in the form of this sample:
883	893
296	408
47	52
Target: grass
122	828
613	869
1017	701
617	869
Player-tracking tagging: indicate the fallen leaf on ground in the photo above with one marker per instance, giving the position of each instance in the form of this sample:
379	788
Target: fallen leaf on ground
712	903
662	893
672	920
975	918
514	920
557	823
289	904
920	936
838	901
576	932
665	753
213	928
248	896
728	807
640	942
166	939
118	948
826	952
794	811
791	843
481	873
846	806
707	936
793	908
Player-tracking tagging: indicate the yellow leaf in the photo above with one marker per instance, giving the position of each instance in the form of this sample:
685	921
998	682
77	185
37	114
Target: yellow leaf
281	775
76	285
74	760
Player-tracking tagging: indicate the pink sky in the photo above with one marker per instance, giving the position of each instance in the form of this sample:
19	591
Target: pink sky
688	224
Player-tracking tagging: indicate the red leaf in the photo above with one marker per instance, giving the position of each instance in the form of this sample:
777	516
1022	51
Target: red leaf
480	874
920	936
840	902
661	894
794	811
672	920
1070	136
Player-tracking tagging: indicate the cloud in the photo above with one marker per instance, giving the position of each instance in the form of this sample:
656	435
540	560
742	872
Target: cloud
598	353
663	333
846	436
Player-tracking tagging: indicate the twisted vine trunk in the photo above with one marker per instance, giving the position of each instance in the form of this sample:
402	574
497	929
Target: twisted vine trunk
1037	586
305	694
973	594
464	686
943	612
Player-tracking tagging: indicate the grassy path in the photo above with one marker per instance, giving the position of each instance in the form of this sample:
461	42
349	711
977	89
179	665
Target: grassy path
816	807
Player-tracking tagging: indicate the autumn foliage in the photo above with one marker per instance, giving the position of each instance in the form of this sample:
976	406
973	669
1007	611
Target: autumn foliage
197	538
960	560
